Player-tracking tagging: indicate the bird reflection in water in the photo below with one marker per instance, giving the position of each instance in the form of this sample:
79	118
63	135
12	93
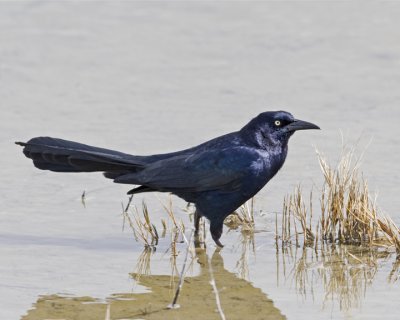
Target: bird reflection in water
238	297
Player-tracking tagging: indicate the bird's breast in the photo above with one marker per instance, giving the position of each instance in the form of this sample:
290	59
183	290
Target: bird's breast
268	163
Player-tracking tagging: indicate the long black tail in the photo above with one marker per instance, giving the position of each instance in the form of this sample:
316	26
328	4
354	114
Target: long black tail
68	156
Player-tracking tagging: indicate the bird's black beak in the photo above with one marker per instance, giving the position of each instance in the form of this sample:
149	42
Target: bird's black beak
300	125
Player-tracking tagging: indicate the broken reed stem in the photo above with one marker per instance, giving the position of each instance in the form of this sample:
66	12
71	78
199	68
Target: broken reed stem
170	212
124	211
83	198
129	203
215	289
173	305
132	225
108	311
276	226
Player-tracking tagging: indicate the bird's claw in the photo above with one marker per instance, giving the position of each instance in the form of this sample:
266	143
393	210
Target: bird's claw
219	244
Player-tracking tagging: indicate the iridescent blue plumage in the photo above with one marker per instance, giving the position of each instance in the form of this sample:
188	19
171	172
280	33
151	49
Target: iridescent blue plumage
217	176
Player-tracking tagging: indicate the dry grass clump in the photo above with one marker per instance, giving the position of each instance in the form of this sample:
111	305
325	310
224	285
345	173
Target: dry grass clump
391	232
145	231
243	217
143	264
349	214
295	211
178	227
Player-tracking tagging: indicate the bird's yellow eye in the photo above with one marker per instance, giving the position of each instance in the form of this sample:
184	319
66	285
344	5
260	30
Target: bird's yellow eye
277	123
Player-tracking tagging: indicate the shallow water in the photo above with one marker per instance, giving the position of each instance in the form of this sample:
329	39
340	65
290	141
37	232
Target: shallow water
157	77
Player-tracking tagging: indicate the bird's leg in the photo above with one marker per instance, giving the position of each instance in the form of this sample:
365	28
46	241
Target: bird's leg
216	232
196	223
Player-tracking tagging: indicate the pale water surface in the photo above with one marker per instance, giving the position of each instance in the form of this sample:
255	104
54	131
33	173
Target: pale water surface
156	77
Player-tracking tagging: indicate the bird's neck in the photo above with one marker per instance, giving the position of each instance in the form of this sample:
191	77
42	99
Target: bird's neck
258	139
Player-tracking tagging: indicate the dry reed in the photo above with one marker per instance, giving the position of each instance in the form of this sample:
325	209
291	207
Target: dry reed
349	214
243	217
143	229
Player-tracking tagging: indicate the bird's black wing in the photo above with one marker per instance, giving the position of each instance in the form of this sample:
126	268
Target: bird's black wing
204	171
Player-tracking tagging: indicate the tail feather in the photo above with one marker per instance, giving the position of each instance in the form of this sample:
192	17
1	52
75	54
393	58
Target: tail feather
55	167
68	156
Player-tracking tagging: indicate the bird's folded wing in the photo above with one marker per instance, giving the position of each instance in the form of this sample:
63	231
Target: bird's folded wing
207	170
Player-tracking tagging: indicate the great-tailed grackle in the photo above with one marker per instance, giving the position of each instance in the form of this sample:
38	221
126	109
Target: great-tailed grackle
217	176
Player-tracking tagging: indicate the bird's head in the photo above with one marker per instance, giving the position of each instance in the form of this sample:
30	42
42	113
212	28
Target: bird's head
274	128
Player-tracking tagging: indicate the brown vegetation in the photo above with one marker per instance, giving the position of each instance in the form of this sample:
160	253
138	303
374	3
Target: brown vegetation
349	214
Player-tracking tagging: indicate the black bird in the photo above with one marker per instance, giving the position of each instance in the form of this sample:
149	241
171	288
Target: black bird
217	176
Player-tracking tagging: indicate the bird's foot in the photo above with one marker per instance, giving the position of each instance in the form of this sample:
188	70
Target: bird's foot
216	233
218	243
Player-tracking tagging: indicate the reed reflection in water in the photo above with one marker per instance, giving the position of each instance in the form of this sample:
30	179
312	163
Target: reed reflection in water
343	272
